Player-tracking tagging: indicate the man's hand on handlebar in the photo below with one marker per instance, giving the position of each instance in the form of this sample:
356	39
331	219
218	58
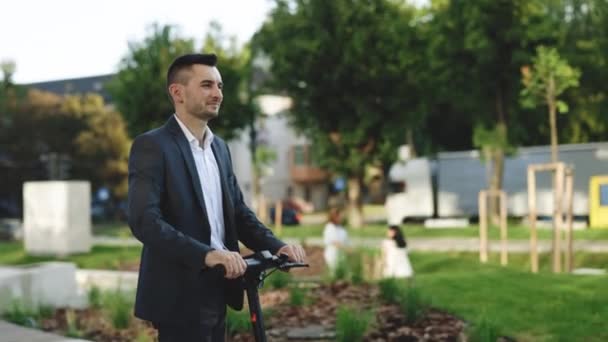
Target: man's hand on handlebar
232	262
295	253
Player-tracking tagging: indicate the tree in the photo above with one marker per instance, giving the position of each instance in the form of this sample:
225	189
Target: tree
139	88
73	137
584	45
345	68
102	149
476	50
548	78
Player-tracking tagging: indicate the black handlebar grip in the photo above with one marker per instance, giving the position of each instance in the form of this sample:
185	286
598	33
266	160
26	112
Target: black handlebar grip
219	269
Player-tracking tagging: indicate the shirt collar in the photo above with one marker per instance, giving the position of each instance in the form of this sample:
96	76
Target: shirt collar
208	136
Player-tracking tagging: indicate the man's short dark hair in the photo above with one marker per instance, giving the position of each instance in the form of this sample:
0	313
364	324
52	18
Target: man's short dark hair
184	62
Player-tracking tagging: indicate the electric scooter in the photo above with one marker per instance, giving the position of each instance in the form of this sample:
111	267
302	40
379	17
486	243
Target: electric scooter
259	266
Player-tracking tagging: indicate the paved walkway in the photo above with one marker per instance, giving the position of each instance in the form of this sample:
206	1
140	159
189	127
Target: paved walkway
417	244
13	333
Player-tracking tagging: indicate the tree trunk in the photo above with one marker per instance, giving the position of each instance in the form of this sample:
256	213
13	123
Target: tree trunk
355	207
556	187
498	162
410	142
552	119
498	156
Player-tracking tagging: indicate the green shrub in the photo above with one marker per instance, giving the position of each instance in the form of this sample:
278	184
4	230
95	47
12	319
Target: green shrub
341	271
355	265
143	337
485	330
237	321
297	296
45	311
72	325
351	324
390	290
94	296
412	303
19	314
118	307
278	280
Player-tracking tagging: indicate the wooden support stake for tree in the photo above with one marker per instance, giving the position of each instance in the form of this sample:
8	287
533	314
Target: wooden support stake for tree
278	218
483	228
558	170
503	229
532	219
557	217
262	209
484	195
569	197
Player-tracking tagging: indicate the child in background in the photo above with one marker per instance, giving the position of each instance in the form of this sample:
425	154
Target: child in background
396	263
335	239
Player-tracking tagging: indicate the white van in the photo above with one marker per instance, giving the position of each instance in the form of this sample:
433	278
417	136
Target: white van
411	190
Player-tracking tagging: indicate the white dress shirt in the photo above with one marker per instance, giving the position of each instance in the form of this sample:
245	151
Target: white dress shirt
209	177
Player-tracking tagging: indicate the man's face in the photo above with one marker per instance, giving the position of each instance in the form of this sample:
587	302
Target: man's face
203	92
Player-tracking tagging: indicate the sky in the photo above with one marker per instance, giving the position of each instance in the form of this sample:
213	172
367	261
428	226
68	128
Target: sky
61	39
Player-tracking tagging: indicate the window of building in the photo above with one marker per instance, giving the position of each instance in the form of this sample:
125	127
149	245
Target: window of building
299	155
603	195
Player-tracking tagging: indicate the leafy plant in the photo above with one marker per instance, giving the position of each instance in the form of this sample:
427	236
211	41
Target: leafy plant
45	311
19	314
413	304
119	309
351	324
72	325
297	296
355	263
94	296
278	280
484	330
390	290
341	271
237	321
143	337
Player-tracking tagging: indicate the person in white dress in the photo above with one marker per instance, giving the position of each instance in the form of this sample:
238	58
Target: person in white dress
335	239
396	263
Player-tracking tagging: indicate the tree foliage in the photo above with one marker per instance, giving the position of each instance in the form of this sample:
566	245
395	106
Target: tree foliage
139	88
346	68
549	77
86	139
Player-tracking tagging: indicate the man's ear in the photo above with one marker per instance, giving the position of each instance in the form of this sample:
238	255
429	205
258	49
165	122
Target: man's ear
176	91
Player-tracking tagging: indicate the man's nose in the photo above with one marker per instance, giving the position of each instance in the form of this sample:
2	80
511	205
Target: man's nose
218	93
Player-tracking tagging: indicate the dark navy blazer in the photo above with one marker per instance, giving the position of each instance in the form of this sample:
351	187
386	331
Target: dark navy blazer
167	214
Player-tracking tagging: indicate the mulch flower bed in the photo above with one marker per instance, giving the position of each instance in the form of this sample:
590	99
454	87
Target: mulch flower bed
319	309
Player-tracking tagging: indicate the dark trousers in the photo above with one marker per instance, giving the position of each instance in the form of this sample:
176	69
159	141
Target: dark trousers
214	330
210	325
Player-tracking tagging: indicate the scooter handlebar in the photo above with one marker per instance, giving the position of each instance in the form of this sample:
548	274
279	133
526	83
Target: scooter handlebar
262	261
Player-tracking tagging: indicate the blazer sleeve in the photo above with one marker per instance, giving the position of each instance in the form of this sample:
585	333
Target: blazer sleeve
146	184
250	230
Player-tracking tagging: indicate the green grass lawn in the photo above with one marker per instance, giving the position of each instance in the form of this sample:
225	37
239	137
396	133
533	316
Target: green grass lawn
529	307
101	257
515	232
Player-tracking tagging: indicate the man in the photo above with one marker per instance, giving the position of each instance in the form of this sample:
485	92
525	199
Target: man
186	207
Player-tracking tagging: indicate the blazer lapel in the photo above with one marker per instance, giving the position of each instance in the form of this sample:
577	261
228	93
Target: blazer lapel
229	224
184	147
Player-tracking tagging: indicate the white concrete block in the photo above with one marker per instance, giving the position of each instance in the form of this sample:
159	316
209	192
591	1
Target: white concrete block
57	217
446	223
589	271
106	280
49	284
